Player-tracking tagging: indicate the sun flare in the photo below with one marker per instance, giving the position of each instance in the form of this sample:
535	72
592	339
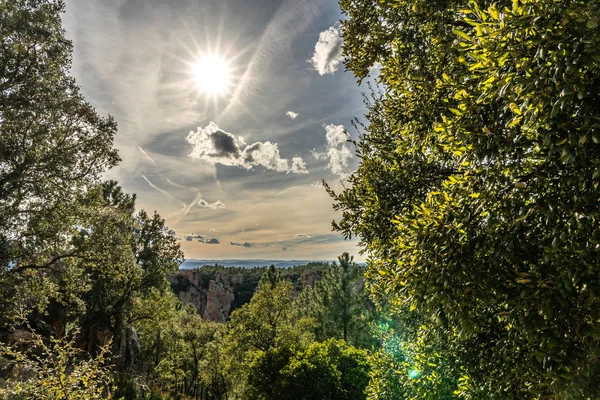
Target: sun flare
212	75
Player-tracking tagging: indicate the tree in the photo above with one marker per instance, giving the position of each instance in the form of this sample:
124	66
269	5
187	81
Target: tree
477	190
327	370
126	255
261	337
179	352
52	142
54	369
338	305
53	145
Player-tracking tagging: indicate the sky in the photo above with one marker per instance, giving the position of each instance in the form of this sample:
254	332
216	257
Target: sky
235	172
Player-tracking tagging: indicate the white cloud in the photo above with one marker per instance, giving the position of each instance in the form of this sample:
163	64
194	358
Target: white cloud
338	152
299	166
317	184
318	155
216	146
146	155
205	204
302	236
291	114
328	52
213	230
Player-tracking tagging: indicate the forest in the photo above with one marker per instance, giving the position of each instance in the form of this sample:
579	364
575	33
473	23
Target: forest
476	203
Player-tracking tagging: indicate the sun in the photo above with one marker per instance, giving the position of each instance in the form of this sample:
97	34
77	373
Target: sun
212	74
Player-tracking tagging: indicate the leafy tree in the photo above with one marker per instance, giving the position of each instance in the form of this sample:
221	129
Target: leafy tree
54	369
261	337
271	277
338	304
327	370
127	256
52	142
53	146
476	198
180	353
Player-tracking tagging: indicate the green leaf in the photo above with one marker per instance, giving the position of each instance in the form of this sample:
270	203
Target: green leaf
514	108
461	34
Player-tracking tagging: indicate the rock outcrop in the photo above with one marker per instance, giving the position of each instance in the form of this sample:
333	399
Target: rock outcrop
216	291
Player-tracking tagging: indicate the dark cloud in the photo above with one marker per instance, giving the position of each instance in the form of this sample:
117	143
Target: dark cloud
241	244
202	239
209	240
225	144
216	146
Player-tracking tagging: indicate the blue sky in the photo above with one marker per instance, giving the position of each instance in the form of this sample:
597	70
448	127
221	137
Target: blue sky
235	174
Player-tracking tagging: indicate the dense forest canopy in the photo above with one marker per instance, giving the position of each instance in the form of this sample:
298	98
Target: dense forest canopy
477	195
476	203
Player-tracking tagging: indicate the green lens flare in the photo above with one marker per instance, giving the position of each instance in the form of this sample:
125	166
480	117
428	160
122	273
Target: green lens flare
413	374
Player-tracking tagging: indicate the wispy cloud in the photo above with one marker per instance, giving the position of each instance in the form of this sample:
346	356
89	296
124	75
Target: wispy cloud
291	114
302	236
197	201
166	193
291	19
213	145
328	52
146	155
216	205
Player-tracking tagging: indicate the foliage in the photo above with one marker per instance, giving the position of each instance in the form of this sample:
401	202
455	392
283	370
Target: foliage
54	369
261	336
338	305
405	367
180	353
476	198
52	142
325	370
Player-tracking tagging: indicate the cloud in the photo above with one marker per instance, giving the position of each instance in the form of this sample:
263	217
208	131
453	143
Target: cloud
241	244
338	152
146	155
213	230
292	18
317	184
166	193
299	166
216	146
202	239
217	204
328	52
302	236
318	155
291	114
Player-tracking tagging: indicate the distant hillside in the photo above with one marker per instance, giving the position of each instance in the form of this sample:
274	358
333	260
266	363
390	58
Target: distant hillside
193	263
216	290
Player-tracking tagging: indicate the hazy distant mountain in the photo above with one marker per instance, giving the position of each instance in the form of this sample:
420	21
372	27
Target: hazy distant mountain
193	263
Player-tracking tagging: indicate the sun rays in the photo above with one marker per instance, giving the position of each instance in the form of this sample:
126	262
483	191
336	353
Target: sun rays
212	75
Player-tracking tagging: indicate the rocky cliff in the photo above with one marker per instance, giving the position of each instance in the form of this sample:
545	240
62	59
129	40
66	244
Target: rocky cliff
216	291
